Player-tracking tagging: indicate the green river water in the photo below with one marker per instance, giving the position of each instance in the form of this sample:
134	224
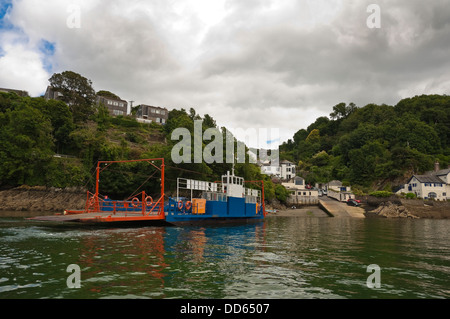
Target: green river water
281	257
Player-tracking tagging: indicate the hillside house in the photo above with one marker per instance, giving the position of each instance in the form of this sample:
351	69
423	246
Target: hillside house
285	170
115	106
52	94
148	114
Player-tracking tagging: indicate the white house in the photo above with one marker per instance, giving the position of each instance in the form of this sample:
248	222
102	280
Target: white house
427	186
299	193
269	169
434	184
285	170
336	190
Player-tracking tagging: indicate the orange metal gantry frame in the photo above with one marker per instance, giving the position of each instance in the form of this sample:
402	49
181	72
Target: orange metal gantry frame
99	209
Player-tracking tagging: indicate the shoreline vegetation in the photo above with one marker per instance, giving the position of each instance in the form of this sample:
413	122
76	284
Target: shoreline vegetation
55	145
55	200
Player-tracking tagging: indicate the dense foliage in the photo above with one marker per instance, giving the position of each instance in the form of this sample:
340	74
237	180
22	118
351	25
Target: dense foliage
369	147
34	132
375	146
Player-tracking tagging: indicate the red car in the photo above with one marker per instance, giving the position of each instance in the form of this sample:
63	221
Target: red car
352	202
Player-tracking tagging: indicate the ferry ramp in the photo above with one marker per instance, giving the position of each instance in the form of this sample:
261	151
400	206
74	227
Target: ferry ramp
335	208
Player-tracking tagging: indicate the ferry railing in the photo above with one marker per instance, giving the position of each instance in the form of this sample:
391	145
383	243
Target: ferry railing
191	185
146	206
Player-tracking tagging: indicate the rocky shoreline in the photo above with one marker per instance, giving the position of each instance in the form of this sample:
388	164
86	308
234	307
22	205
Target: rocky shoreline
395	207
390	210
42	199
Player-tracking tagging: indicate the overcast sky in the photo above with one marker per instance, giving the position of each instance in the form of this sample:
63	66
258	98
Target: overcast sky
247	63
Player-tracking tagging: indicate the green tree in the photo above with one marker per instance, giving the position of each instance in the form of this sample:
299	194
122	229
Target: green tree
342	111
77	92
27	144
61	119
314	136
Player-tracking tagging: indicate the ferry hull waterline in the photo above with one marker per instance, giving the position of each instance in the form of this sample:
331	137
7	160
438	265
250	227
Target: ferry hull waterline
228	201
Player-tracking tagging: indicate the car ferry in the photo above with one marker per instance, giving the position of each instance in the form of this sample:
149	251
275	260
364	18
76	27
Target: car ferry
196	202
225	201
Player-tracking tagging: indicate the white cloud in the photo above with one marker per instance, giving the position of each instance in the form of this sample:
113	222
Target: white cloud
22	68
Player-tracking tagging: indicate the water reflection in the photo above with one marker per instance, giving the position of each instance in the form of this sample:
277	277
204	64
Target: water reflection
283	257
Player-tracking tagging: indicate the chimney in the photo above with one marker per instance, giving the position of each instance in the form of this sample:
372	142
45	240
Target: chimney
436	166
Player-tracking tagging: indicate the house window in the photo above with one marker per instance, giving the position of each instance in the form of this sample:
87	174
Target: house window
444	194
117	112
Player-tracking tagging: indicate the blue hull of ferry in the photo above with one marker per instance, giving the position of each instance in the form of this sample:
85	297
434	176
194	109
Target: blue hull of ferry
232	210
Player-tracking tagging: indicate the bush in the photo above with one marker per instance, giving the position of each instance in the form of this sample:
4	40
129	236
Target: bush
381	194
125	121
357	190
410	196
281	193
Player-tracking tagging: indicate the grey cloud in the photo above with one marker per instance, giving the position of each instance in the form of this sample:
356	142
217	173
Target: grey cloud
265	63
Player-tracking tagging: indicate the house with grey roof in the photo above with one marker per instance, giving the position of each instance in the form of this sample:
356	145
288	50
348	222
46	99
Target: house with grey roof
336	189
431	185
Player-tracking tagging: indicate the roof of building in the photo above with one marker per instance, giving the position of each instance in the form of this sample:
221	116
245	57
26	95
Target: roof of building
152	106
335	183
442	172
427	179
18	92
110	98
